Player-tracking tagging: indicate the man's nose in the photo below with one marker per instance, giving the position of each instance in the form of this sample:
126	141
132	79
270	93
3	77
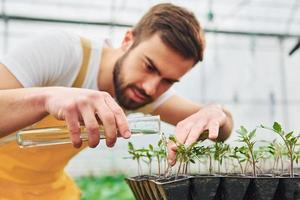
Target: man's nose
150	85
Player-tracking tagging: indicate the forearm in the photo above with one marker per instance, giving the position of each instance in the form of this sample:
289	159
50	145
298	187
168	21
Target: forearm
178	108
20	108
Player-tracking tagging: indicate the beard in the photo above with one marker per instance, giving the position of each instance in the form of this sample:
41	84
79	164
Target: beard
120	87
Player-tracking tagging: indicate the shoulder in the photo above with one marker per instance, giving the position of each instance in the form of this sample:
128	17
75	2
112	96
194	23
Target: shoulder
61	35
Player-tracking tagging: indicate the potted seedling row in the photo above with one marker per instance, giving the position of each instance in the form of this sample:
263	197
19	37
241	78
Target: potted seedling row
217	171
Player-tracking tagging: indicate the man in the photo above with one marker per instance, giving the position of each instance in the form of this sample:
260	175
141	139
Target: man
36	80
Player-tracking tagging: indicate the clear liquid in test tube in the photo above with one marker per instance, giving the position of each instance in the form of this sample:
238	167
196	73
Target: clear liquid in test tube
60	135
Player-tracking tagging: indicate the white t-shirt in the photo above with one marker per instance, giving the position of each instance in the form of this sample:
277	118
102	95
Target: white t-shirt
54	59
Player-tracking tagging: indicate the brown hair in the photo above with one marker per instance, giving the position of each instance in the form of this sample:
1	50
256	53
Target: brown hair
177	27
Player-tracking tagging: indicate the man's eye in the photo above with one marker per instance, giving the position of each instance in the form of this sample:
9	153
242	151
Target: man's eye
150	68
168	82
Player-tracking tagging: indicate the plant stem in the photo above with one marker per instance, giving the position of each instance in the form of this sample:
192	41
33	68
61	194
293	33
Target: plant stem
158	162
168	170
253	165
292	166
246	166
186	168
290	155
139	167
252	157
281	165
210	165
240	164
178	170
226	166
150	168
275	165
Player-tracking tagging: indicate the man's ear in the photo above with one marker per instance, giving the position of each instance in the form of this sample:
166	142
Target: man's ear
127	40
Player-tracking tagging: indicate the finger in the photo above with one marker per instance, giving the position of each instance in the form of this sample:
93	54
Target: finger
91	124
74	128
213	129
171	146
195	133
182	131
120	117
109	123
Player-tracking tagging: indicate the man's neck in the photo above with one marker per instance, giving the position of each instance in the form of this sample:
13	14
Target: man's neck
105	76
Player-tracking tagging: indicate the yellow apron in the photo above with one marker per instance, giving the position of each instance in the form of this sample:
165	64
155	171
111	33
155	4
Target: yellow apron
38	173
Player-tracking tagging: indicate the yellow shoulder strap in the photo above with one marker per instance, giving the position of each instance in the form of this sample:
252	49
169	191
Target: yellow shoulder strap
49	120
86	49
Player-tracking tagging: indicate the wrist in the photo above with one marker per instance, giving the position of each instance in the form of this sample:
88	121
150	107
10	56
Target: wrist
38	99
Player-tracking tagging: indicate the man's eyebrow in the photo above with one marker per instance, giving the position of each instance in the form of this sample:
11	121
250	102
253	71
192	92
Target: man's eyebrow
151	62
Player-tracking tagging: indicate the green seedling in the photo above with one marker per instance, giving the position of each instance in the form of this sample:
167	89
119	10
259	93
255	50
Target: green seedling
148	155
277	151
160	154
240	155
248	139
136	155
199	152
290	142
208	152
219	151
184	155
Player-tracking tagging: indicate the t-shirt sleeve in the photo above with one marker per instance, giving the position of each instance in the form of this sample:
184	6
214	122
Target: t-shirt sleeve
164	97
49	59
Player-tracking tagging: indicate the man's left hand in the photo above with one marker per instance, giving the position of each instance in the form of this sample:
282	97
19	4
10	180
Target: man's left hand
188	131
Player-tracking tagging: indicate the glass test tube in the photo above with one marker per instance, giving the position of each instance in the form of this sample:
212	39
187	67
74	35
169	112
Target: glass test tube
60	135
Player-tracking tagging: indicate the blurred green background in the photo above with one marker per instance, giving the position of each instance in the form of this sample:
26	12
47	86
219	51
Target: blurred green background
108	187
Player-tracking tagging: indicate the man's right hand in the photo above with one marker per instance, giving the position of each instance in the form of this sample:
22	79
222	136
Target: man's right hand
76	105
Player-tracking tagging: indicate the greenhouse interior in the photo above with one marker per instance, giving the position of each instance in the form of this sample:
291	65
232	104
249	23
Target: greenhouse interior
220	79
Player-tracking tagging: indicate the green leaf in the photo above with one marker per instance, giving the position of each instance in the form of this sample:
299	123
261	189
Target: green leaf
252	134
277	127
130	146
293	141
160	143
244	130
172	138
151	147
288	135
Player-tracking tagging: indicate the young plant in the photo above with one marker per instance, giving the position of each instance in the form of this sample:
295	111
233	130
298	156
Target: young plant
208	151
136	155
240	155
277	151
261	154
220	151
297	154
248	139
184	155
290	142
148	154
199	152
160	154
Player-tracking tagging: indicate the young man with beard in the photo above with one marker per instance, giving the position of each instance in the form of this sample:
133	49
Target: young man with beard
76	80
